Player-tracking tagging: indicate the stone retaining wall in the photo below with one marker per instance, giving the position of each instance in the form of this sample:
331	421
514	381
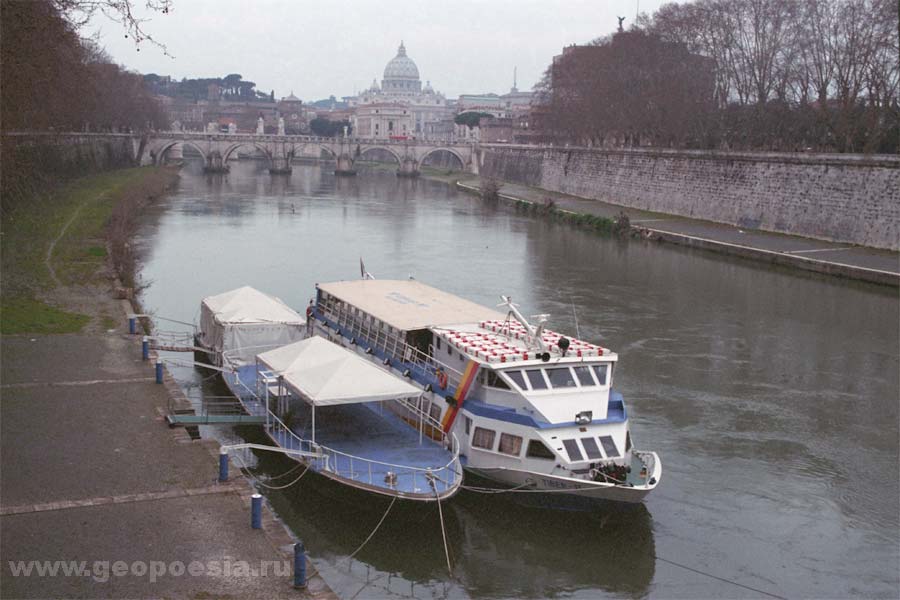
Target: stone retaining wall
841	198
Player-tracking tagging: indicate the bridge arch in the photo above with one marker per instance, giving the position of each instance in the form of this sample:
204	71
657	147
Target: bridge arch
451	151
233	147
397	157
159	153
329	150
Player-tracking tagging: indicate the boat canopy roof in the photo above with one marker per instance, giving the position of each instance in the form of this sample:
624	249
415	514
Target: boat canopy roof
408	304
249	305
327	374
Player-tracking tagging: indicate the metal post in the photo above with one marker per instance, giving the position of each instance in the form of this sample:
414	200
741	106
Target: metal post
299	565
223	465
159	370
256	511
132	324
145	349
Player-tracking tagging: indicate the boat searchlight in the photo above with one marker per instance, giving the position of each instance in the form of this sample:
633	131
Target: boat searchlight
584	417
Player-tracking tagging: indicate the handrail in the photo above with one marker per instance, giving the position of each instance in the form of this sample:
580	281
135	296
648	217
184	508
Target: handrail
382	341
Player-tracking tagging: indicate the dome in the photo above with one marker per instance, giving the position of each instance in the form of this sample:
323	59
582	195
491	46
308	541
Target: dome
401	66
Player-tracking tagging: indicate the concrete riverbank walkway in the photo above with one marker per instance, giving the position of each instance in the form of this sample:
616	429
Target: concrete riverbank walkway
845	260
93	477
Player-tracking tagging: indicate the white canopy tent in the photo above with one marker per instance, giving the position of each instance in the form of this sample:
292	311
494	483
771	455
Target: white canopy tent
326	374
244	321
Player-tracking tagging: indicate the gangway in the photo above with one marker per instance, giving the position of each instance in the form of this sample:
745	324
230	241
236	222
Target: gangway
215	410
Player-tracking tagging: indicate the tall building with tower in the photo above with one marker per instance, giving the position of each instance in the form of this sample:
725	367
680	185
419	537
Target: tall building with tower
399	107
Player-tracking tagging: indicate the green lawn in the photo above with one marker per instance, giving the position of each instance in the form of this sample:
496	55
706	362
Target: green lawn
27	234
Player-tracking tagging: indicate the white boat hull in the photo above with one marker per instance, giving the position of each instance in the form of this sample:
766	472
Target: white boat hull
546	485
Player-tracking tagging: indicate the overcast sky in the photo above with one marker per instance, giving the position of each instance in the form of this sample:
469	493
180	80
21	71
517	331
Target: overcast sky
323	47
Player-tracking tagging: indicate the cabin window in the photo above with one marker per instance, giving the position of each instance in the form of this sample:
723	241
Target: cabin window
435	411
437	342
584	376
573	450
561	377
468	425
449	350
494	381
536	378
538	449
517	378
483	438
510	444
601	371
609	446
591	448
627	441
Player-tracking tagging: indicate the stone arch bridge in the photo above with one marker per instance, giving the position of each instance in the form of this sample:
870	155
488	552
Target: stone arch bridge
217	148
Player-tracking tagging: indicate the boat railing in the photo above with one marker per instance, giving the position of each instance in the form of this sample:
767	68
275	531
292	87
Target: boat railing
367	330
373	472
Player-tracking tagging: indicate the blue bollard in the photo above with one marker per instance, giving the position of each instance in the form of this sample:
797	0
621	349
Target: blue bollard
159	370
223	465
132	324
145	348
299	565
256	511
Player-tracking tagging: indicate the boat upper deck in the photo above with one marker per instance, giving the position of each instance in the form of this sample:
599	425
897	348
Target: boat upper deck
507	341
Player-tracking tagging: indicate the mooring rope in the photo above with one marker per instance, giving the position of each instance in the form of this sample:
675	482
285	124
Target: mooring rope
243	466
443	529
366	541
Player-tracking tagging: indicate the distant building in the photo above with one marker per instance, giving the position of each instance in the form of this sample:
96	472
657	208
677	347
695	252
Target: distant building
383	120
291	109
400	85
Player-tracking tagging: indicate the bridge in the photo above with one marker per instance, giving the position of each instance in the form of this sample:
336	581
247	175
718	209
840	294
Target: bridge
279	150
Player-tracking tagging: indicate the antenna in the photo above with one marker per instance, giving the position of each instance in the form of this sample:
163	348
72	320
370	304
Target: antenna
574	314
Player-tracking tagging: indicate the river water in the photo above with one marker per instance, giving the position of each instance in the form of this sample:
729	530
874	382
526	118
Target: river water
771	396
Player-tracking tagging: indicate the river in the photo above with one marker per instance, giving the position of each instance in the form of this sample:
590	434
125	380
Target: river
770	395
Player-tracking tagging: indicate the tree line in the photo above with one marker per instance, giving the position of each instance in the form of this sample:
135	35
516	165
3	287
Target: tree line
786	75
53	79
231	87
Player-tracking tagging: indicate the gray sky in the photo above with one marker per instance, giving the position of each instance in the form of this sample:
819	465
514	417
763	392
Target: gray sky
322	47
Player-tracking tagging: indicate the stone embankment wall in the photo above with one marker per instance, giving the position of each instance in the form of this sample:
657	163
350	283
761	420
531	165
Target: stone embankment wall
841	198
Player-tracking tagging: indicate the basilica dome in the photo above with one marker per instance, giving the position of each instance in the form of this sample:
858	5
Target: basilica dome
401	66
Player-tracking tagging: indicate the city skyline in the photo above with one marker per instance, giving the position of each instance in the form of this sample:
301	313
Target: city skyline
469	48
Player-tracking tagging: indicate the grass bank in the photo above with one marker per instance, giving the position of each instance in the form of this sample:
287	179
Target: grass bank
64	238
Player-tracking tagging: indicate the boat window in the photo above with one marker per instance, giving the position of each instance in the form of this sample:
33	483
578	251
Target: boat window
538	449
468	425
584	376
437	342
609	446
483	438
510	444
517	379
601	371
536	378
591	448
561	377
435	411
573	450
627	441
494	381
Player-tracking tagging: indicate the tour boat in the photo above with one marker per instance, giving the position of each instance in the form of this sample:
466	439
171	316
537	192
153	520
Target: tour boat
344	417
534	411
